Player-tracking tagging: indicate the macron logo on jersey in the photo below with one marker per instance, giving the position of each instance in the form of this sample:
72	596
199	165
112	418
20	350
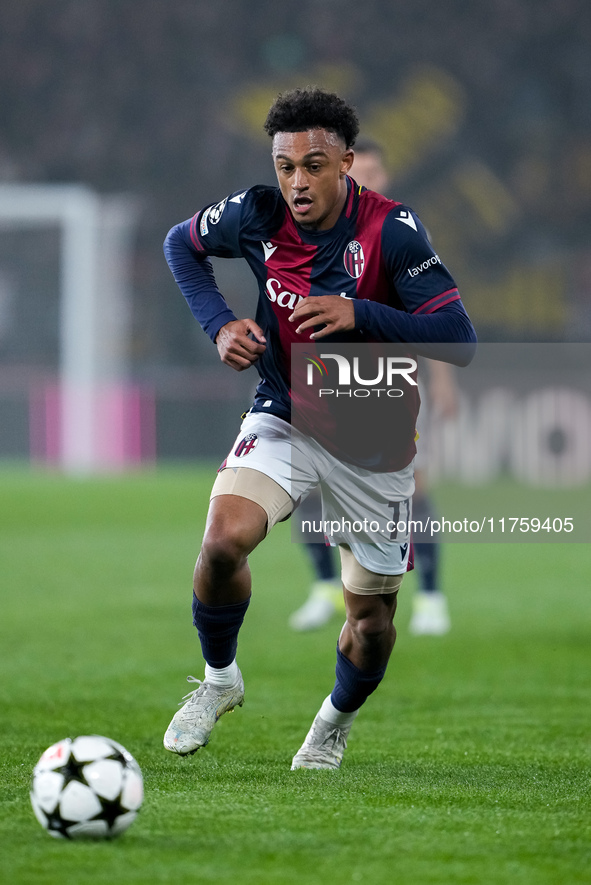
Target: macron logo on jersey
268	249
406	218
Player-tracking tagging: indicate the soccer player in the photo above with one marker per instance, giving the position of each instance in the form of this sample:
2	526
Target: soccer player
296	240
430	613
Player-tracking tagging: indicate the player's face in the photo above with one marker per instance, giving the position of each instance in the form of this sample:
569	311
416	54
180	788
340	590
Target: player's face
311	170
368	170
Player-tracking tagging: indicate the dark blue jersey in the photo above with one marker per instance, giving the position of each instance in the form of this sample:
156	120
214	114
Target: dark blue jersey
377	253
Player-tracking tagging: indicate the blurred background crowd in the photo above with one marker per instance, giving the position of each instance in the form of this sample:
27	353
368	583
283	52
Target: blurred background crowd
482	110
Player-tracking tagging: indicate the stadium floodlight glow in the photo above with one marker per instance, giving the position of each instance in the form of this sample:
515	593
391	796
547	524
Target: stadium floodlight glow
94	246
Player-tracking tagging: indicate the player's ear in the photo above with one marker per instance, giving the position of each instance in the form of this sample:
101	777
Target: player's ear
347	161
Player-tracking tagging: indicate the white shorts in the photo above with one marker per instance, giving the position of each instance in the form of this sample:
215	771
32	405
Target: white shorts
367	511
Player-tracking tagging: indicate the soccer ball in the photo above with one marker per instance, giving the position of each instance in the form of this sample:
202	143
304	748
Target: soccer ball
87	787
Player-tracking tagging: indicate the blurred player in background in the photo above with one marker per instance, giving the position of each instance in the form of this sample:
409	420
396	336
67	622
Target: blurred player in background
301	241
325	598
430	613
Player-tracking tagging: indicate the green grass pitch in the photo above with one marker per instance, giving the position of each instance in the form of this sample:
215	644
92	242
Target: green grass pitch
469	765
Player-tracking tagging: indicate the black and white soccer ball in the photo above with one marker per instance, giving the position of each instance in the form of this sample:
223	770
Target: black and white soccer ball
87	787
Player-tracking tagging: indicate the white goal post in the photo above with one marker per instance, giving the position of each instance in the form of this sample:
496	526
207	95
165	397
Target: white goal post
95	250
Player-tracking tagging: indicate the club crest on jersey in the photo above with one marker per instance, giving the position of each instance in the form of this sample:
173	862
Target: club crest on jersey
246	445
216	212
354	259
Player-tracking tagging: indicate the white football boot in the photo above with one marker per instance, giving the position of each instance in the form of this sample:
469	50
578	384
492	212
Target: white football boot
430	615
192	725
324	601
324	746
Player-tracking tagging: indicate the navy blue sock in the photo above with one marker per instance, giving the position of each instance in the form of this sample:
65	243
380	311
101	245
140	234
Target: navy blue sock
218	626
353	686
426	552
427	565
323	562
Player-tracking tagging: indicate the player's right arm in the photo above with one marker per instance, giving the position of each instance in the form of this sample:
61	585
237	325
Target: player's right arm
214	231
240	343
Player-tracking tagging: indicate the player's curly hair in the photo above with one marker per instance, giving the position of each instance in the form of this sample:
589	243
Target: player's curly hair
312	108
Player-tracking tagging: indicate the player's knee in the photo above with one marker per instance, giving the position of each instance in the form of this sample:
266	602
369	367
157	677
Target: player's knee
225	548
370	624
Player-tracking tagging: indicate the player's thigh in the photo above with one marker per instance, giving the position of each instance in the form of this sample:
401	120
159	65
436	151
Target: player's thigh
270	464
370	598
243	489
375	510
235	525
269	445
362	581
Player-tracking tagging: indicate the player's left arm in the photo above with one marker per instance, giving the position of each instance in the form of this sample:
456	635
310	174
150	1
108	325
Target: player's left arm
433	315
333	312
